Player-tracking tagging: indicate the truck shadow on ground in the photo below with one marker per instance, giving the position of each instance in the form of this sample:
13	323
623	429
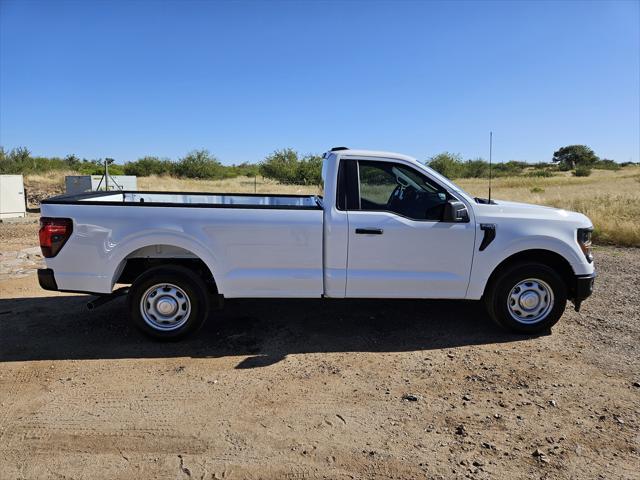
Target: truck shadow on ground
266	331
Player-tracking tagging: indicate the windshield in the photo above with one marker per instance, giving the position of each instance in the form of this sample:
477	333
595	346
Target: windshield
448	183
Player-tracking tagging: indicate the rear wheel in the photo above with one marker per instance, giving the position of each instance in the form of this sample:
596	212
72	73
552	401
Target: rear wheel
527	298
168	302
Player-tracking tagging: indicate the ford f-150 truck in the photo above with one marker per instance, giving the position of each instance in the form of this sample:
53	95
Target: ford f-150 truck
386	227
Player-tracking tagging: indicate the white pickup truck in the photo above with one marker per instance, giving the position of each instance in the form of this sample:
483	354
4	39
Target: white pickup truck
387	227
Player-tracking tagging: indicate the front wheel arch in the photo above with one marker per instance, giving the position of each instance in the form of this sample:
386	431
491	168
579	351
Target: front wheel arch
548	258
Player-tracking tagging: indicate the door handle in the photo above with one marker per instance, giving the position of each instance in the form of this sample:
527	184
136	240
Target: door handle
369	231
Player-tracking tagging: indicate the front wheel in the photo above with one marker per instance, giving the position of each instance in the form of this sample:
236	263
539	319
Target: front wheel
169	302
527	298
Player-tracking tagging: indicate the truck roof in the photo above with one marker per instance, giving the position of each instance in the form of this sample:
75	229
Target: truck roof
348	152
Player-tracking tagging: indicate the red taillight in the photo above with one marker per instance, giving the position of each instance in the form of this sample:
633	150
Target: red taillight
54	232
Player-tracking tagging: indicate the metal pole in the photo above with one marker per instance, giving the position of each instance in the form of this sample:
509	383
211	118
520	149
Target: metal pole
490	158
106	175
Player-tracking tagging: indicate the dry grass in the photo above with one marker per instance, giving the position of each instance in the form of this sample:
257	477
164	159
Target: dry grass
611	199
55	178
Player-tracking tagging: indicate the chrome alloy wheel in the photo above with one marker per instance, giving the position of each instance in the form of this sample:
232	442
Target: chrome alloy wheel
530	301
165	307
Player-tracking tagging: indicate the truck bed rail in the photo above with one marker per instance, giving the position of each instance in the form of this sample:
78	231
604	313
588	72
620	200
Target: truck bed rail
190	199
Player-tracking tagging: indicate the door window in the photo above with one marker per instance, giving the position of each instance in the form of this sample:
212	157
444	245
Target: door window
393	187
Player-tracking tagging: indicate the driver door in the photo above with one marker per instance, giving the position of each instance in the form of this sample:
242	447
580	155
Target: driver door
398	246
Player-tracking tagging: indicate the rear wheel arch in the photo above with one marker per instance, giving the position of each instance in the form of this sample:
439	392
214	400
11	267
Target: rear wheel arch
140	260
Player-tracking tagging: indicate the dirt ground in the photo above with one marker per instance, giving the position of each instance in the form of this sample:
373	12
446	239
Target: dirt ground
312	389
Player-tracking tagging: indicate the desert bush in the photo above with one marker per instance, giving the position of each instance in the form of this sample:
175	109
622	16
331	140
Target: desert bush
540	174
606	164
451	166
149	166
477	168
511	168
19	160
582	172
310	170
200	164
245	169
96	167
281	165
448	164
285	166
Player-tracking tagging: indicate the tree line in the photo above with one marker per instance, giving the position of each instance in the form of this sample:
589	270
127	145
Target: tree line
577	158
196	164
288	166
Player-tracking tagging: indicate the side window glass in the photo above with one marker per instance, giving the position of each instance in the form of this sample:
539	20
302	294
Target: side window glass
393	187
377	184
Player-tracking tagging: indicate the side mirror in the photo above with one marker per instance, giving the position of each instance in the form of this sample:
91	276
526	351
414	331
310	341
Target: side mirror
455	211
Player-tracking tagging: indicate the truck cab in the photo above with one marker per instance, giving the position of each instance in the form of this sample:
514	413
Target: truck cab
412	233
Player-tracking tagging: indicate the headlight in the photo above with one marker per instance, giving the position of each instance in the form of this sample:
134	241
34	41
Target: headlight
584	240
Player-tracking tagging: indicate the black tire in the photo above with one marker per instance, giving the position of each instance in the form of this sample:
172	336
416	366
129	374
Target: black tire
173	287
502	291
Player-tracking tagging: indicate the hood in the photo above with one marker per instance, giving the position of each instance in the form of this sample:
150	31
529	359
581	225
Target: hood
506	209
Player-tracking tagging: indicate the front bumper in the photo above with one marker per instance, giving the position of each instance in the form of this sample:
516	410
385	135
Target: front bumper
46	279
583	288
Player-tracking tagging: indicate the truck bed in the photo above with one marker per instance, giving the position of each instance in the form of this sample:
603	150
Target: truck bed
190	199
258	245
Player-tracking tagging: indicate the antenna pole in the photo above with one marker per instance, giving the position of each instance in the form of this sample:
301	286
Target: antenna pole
490	158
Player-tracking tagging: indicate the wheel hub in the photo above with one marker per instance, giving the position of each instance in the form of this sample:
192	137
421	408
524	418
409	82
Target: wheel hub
530	301
165	307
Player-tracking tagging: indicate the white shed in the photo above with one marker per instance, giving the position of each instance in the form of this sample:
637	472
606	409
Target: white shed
12	201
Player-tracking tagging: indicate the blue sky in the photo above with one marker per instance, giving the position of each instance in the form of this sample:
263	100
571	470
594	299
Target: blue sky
126	79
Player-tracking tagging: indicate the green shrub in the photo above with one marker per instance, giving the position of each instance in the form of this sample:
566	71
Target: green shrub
310	170
149	166
96	167
281	165
582	172
606	164
20	161
451	166
244	169
511	168
537	190
477	168
200	164
285	166
448	164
